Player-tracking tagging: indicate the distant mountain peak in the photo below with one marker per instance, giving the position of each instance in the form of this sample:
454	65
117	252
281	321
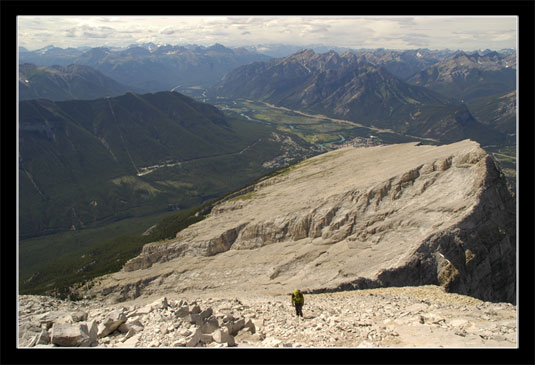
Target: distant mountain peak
218	47
305	52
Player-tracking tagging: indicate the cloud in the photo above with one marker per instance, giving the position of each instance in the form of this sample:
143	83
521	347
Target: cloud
94	35
345	31
70	32
167	31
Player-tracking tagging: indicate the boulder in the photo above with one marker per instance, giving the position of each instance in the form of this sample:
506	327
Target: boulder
194	318
69	335
206	338
210	325
123	328
194	338
182	311
249	325
49	318
131	332
92	330
141	311
78	316
129	325
111	323
221	335
206	313
234	326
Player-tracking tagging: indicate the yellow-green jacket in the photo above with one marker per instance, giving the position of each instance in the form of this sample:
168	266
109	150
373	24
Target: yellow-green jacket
297	297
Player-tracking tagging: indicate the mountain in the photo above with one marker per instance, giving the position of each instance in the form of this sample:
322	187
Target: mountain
148	66
341	86
65	83
49	56
87	163
498	111
283	50
165	67
403	64
469	76
354	218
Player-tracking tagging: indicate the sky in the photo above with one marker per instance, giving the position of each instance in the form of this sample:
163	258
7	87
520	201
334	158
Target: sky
402	32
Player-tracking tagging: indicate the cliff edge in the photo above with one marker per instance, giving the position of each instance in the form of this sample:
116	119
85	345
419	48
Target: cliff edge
353	218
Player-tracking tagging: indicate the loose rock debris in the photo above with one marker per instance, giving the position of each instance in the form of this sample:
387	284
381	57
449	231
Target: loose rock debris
389	317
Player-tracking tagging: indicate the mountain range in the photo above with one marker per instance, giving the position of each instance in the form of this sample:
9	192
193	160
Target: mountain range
50	55
469	76
403	64
73	82
344	86
151	67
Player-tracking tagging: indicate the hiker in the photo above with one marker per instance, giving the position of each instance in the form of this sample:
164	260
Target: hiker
297	301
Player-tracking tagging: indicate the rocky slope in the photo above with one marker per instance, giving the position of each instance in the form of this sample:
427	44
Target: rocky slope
388	317
354	218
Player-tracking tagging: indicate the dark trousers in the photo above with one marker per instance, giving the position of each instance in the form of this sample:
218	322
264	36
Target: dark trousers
299	309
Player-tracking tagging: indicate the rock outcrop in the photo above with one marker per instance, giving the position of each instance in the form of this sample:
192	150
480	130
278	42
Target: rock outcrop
354	218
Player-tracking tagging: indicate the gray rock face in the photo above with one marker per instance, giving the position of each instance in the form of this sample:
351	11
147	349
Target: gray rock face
353	218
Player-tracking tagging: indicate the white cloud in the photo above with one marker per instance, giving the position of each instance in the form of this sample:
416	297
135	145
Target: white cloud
433	32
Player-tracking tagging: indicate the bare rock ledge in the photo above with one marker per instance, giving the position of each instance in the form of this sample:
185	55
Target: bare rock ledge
354	218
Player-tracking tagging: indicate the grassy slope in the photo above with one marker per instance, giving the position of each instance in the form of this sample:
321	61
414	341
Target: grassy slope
74	156
52	266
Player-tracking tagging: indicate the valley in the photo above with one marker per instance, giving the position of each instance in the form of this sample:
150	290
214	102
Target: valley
328	133
320	130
